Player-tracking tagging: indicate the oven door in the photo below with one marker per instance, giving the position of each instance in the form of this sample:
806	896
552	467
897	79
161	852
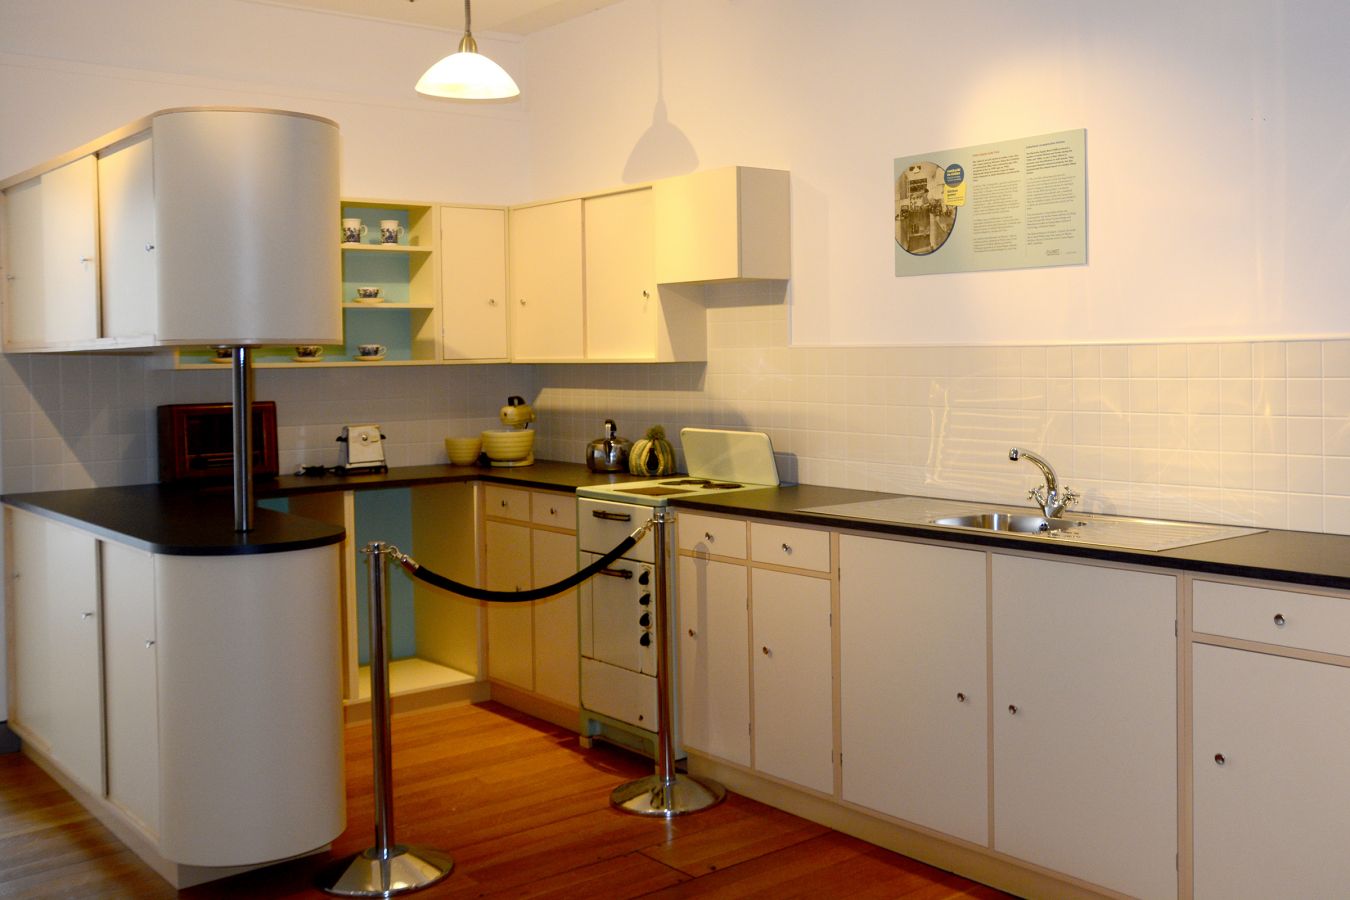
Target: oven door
618	624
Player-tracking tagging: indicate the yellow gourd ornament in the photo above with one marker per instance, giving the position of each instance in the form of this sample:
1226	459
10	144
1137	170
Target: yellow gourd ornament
652	455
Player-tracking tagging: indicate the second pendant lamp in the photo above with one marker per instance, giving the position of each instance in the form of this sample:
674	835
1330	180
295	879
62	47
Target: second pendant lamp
467	74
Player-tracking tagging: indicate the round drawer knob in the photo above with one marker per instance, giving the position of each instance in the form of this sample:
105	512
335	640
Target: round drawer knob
1219	759
1279	620
960	697
1012	709
503	504
707	536
787	548
691	633
766	651
553	510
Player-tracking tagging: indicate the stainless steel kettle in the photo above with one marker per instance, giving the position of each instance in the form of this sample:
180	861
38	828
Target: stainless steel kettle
608	453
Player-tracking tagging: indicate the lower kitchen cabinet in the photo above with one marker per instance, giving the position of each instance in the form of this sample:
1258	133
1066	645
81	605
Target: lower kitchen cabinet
529	540
130	682
793	678
1270	736
1085	717
913	682
713	645
58	688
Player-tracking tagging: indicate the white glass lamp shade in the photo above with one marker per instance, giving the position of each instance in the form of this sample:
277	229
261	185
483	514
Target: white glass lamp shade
467	75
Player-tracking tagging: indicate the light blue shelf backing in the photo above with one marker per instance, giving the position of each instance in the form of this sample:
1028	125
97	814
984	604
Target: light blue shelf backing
278	504
385	515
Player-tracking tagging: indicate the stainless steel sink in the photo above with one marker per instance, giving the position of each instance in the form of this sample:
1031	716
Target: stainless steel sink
1002	521
1151	535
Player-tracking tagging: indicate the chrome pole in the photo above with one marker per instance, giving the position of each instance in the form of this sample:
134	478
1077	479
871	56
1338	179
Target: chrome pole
241	393
665	793
387	868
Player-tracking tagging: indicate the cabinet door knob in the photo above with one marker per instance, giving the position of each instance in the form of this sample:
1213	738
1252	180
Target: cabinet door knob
492	301
646	639
522	301
503	504
1279	620
646	295
1012	709
86	259
645	620
1220	759
149	644
960	697
708	536
149	248
553	510
86	616
787	548
691	633
766	651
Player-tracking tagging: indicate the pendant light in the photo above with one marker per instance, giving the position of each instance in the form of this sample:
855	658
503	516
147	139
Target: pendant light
466	74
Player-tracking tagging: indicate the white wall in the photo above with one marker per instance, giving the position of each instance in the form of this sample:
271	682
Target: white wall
1215	150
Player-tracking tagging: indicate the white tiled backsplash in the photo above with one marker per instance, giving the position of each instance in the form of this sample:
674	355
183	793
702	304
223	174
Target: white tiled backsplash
1241	433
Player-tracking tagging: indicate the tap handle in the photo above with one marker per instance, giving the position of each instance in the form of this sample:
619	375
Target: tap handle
1070	497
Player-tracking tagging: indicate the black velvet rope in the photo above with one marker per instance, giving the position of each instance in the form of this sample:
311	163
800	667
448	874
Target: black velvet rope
421	573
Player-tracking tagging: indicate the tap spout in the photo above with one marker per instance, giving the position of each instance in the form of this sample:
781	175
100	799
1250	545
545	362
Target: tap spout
1051	497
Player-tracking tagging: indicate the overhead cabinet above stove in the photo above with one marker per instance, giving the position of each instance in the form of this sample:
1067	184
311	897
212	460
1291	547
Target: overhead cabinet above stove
203	225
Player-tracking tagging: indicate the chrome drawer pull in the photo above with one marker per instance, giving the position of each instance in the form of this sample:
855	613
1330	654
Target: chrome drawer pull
1279	620
612	516
617	573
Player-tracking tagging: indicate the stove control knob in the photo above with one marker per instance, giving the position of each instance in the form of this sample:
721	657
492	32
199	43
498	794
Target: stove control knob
646	639
645	600
645	620
645	577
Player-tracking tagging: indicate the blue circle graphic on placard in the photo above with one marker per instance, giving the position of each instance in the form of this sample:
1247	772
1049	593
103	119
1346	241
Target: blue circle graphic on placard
953	175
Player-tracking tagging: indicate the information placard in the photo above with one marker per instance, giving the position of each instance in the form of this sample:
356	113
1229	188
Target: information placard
1012	205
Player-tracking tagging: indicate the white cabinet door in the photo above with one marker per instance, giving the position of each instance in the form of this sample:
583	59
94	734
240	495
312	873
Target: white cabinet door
793	704
473	283
1272	790
556	661
912	652
23	324
1085	712
58	693
126	188
70	276
130	683
546	282
621	300
713	644
510	630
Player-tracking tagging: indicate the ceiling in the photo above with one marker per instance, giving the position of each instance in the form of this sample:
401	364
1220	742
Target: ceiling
518	17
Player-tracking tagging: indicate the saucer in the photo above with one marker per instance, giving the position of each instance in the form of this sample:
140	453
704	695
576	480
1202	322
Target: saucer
306	359
223	360
360	358
367	299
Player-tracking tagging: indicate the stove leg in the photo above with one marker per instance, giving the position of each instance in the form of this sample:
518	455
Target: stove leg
666	793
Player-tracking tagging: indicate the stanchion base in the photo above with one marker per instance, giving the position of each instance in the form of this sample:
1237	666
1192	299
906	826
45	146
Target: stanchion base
651	796
366	875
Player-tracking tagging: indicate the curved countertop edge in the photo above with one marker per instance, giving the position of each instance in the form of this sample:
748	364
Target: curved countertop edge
1313	559
175	522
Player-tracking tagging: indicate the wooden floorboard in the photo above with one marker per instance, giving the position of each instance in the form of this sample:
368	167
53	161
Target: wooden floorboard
519	805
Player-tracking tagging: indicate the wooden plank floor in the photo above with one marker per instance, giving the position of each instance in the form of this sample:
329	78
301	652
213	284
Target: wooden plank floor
520	807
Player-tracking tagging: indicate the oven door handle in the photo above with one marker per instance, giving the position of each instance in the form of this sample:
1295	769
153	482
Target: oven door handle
612	516
617	573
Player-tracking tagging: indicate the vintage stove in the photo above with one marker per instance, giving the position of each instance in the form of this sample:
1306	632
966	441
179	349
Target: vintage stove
619	700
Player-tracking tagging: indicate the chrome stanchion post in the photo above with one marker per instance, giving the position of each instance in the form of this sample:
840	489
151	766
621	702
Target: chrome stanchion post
665	793
387	868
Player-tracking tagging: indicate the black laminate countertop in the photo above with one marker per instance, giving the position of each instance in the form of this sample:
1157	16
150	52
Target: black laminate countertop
196	522
176	521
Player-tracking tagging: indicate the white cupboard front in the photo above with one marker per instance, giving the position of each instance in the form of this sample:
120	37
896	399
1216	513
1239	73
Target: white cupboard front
713	650
556	658
1085	719
473	283
545	254
794	696
510	631
913	683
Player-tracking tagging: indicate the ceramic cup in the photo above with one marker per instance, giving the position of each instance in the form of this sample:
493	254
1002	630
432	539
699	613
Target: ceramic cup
309	351
390	231
352	231
368	293
371	350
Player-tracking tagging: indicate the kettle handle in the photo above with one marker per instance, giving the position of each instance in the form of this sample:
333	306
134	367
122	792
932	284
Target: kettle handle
610	429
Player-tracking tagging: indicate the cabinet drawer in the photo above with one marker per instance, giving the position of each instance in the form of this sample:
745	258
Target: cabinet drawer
506	503
801	548
559	510
1285	618
602	525
708	534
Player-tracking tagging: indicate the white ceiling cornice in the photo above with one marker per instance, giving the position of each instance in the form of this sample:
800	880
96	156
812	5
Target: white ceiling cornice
507	17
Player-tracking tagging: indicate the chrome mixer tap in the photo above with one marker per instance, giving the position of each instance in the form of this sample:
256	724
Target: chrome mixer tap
1050	497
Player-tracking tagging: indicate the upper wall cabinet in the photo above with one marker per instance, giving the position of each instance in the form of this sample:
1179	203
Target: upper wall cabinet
191	226
546	283
473	283
723	225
